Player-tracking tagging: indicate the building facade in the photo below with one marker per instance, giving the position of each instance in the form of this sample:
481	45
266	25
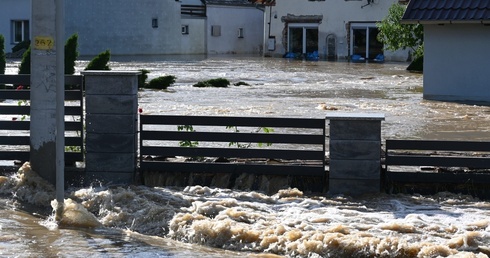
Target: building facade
148	27
15	22
334	29
234	27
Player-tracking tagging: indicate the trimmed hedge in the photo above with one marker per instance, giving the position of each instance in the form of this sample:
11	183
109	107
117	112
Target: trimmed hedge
218	82
161	82
100	62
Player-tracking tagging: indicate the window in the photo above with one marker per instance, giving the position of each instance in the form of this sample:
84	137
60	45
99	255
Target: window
303	38
215	30
363	40
240	32
154	23
185	29
20	31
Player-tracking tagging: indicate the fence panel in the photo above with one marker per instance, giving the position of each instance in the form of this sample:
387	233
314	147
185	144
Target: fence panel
15	124
279	146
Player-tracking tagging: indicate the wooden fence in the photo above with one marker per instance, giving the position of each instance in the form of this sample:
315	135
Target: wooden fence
441	161
15	124
274	146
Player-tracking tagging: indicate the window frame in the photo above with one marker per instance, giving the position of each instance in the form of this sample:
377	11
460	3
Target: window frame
25	30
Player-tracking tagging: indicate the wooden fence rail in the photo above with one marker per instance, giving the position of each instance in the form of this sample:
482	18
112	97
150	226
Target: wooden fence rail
448	160
15	125
240	147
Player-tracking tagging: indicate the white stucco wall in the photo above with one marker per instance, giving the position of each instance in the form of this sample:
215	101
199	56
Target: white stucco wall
336	17
12	10
230	18
124	26
457	62
195	41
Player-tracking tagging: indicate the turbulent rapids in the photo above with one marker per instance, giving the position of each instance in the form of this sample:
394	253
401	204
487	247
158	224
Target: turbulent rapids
289	223
210	222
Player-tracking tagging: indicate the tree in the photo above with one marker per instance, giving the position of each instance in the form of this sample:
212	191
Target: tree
25	64
3	60
100	62
395	35
71	54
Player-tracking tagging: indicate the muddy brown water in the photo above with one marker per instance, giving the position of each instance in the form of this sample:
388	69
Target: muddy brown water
139	221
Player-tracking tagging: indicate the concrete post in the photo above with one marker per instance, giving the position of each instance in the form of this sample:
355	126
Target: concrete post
43	89
111	100
355	153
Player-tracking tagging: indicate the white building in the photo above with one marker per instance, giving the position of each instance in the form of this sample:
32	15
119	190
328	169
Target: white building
148	27
335	29
456	48
234	27
15	17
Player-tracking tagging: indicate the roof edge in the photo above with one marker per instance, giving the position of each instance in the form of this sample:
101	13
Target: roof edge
484	22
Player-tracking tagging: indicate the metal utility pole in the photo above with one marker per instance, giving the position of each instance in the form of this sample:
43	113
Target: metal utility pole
47	92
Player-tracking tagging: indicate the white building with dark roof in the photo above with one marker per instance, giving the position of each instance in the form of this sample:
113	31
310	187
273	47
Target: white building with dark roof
456	48
148	27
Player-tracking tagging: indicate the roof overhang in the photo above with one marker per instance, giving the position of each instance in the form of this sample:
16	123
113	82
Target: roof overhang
483	22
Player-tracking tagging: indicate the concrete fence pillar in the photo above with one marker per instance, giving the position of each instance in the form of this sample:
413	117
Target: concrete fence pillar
111	100
355	153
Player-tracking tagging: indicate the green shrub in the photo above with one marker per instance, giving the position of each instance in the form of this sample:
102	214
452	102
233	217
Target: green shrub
100	62
25	64
21	45
161	82
218	82
3	60
142	78
241	83
71	54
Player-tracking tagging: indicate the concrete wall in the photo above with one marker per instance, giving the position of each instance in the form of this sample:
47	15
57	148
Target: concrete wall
336	17
124	26
111	120
12	10
230	18
456	62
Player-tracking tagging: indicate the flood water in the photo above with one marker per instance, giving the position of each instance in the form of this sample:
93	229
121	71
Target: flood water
139	221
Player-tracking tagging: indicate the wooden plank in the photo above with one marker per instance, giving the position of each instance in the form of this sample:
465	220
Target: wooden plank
74	79
73	111
233	168
73	156
15	140
233	121
234	153
25	140
233	137
14	155
73	141
25	79
73	126
26	94
73	95
15	94
15	110
25	125
14	125
437	145
413	160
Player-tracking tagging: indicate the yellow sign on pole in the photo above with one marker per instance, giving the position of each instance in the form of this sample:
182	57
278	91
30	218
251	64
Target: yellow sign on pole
43	43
